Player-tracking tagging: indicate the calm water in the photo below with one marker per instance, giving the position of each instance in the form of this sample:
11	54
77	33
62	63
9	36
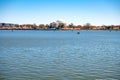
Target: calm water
59	55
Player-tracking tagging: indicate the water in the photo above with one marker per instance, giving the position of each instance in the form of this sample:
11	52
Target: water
59	55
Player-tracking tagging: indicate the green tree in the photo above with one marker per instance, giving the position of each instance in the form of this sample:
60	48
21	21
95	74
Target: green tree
61	25
42	26
87	26
71	25
79	26
34	26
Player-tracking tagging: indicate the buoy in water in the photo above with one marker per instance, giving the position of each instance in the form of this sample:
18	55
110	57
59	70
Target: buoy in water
78	32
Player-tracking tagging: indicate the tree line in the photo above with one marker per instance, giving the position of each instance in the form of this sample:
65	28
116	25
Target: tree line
59	25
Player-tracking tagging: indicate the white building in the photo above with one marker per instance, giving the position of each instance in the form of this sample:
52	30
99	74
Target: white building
54	25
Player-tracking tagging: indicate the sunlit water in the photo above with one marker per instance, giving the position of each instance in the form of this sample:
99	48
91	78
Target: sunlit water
59	55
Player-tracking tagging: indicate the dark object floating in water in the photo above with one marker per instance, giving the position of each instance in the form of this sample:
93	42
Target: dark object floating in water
78	32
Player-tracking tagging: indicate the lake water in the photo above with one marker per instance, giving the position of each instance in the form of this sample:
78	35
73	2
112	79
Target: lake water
59	55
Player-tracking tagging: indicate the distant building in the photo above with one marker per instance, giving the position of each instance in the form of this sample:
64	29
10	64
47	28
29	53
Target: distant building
60	22
8	26
5	24
117	27
27	26
55	25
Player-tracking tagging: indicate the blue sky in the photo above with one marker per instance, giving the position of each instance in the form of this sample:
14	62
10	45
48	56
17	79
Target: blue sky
96	12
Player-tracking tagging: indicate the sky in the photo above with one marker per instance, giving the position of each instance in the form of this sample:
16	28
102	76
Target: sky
78	12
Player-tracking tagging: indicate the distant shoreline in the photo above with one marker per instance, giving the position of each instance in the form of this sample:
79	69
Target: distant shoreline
56	30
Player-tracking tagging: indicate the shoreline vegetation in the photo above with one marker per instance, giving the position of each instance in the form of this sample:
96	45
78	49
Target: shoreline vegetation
52	30
58	25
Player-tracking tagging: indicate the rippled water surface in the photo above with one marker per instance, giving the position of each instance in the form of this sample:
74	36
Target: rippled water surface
59	55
